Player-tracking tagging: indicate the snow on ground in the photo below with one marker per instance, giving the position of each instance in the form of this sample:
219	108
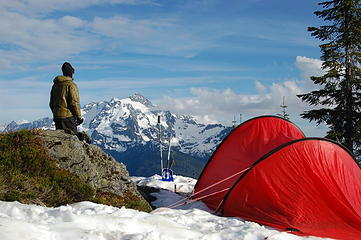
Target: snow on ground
167	197
90	221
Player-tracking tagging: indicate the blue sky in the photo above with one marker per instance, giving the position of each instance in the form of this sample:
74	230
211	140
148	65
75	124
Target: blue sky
214	59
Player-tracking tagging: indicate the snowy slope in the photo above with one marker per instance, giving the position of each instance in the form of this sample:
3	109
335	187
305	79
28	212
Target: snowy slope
87	220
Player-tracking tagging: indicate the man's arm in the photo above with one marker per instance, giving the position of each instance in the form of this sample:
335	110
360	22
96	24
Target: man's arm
51	102
74	101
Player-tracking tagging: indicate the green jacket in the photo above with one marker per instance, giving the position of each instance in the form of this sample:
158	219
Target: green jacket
64	98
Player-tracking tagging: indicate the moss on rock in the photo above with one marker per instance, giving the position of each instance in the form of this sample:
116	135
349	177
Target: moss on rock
29	175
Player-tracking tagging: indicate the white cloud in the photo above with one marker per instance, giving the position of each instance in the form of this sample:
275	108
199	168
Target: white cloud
211	106
121	27
72	22
28	40
309	66
260	87
159	36
222	105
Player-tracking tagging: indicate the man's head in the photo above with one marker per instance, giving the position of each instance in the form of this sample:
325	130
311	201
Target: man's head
67	69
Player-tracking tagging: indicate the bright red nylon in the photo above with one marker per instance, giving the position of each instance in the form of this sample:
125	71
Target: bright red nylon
311	185
245	145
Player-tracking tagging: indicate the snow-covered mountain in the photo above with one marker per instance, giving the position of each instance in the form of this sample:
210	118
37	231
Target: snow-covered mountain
127	128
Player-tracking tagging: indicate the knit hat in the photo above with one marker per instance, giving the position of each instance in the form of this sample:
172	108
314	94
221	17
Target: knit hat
67	69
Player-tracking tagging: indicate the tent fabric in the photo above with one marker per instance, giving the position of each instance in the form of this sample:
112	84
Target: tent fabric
310	186
240	149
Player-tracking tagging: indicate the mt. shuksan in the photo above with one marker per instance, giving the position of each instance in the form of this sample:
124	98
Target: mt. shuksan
127	129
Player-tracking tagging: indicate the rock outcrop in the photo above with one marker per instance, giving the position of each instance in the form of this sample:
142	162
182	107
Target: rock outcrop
90	163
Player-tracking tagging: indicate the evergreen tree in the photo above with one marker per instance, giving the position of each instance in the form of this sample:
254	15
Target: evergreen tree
339	94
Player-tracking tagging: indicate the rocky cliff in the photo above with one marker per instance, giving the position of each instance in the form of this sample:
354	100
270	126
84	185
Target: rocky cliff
89	162
52	167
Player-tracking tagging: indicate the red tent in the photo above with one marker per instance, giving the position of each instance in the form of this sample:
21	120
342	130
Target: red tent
309	186
241	148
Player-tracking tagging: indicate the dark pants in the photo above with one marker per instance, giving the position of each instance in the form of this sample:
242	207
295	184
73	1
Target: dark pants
67	124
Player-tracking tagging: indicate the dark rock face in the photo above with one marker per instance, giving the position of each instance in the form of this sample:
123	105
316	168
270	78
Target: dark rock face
89	162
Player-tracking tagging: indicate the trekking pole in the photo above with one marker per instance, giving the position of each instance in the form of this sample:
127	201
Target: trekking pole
160	145
168	158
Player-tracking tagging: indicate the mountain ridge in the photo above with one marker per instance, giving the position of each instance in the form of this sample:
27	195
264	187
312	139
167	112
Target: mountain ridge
129	127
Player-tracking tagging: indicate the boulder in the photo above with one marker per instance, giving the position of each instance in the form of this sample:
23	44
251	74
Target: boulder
90	163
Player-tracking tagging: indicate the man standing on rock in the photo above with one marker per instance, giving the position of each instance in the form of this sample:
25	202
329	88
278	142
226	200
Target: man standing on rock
65	102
